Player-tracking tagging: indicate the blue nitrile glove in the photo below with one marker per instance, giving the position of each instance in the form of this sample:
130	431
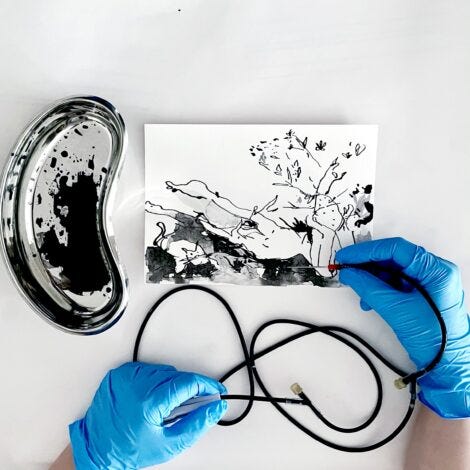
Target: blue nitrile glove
446	388
123	427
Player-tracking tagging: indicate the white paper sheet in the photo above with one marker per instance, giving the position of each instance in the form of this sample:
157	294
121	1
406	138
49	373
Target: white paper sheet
255	204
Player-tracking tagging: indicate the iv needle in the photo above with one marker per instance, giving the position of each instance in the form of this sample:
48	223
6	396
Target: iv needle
331	267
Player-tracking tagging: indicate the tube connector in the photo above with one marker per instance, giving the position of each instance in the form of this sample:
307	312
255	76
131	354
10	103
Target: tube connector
399	383
296	388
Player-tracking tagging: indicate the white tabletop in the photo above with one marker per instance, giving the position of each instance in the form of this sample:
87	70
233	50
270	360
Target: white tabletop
402	65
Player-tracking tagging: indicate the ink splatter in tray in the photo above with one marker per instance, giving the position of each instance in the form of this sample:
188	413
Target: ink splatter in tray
255	205
66	206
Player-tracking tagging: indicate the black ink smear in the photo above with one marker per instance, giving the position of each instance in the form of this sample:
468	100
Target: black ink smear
355	191
78	132
301	227
290	271
81	260
199	270
10	188
160	263
53	162
368	218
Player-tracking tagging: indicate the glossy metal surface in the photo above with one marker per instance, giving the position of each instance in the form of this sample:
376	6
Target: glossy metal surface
56	197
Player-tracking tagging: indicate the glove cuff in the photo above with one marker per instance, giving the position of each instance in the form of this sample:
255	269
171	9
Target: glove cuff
78	441
446	389
447	404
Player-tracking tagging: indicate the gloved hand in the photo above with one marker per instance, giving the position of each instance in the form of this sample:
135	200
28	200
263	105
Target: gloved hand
446	388
123	427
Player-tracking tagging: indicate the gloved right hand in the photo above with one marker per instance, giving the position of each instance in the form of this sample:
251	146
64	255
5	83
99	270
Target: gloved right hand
446	388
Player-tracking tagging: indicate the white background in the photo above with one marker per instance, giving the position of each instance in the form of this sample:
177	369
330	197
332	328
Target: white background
403	65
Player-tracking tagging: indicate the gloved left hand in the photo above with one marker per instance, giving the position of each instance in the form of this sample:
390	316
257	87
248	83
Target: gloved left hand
123	428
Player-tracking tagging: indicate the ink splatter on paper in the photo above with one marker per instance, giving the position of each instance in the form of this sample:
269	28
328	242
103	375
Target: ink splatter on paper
255	205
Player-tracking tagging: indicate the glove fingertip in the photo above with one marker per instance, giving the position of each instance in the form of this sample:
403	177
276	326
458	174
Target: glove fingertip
216	410
349	276
342	255
365	306
356	253
211	386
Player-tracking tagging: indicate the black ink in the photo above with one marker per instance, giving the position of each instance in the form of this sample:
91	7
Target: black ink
368	218
81	259
300	226
160	263
294	270
10	189
359	149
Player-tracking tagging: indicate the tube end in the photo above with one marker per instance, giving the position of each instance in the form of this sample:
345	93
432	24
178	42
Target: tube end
296	388
399	383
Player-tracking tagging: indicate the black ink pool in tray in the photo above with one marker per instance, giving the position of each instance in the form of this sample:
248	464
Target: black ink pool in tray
80	257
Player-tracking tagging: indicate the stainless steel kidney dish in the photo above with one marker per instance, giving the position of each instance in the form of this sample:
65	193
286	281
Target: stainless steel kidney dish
56	196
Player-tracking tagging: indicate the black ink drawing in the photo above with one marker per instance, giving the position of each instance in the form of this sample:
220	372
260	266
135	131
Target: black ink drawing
288	238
